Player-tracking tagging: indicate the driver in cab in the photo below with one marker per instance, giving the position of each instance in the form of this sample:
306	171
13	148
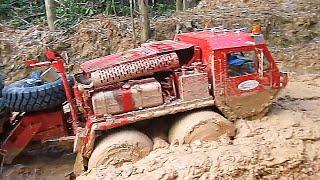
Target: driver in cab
239	65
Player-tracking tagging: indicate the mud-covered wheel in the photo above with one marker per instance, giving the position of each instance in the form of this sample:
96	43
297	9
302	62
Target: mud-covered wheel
199	125
126	145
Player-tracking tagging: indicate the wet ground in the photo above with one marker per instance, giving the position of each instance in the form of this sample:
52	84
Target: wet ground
41	164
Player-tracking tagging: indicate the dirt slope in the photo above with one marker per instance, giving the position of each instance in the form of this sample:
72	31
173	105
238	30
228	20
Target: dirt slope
287	24
285	144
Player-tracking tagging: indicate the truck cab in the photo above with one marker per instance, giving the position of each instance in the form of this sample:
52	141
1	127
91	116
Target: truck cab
244	77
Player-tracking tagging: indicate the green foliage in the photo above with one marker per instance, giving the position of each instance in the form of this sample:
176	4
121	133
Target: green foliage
163	9
24	13
5	7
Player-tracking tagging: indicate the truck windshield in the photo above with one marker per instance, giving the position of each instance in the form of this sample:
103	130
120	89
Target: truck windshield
241	63
246	62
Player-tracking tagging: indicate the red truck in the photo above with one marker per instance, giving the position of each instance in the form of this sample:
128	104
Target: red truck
195	85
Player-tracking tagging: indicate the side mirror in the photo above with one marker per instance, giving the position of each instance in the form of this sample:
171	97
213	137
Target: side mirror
283	79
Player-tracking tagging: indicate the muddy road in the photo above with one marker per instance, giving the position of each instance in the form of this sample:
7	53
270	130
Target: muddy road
41	164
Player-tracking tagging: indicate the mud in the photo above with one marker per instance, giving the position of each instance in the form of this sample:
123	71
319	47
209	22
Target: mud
40	163
206	125
285	144
249	107
120	147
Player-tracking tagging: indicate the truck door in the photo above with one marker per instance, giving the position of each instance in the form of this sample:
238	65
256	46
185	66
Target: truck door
245	84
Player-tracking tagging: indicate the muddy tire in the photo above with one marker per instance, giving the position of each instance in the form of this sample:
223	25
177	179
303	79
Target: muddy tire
199	125
126	145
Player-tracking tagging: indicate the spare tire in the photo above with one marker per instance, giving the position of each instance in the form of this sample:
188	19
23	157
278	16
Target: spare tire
32	94
1	84
2	105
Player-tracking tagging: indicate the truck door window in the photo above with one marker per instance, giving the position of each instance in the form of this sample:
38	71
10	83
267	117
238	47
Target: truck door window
241	63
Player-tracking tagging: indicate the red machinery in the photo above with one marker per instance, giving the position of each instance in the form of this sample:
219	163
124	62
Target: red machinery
230	70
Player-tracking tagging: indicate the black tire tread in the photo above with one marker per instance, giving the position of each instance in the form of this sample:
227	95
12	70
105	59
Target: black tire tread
36	98
1	84
2	105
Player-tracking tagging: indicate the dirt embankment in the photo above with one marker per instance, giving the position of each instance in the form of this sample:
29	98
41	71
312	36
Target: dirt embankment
90	39
284	144
288	25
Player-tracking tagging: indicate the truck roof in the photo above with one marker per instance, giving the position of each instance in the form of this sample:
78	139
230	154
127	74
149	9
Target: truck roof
216	40
222	39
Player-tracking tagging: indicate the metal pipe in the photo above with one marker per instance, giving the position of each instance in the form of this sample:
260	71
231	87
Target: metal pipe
58	64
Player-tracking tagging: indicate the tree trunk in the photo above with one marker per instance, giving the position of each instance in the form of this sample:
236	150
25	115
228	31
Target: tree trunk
185	4
132	20
145	24
114	7
51	13
179	5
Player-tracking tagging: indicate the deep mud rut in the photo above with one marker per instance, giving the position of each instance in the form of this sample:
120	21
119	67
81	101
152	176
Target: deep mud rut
284	144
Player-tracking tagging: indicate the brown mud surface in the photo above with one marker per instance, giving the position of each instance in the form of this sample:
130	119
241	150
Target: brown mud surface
284	144
41	163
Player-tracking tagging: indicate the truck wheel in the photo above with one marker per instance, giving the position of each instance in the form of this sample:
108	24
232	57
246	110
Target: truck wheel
126	145
32	94
200	125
